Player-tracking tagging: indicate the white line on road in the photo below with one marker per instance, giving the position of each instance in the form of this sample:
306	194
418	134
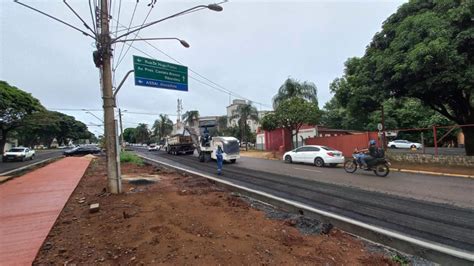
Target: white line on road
423	243
317	171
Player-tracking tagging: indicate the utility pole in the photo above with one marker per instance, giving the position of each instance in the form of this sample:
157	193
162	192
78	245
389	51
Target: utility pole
384	142
121	129
105	52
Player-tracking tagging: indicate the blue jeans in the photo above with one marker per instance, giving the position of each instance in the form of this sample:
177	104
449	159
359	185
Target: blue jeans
359	157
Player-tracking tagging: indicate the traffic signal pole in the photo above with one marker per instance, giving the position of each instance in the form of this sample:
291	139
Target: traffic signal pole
105	53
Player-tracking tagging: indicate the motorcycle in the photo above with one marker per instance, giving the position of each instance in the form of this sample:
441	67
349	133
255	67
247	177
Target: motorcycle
380	166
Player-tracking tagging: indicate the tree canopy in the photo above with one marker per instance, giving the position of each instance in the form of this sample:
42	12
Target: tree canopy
243	113
292	114
190	117
294	88
423	51
15	104
162	127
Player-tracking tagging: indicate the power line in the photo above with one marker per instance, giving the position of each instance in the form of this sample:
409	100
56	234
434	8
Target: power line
136	34
215	85
130	24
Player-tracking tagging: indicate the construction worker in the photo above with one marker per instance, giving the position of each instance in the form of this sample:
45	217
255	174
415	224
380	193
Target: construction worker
220	160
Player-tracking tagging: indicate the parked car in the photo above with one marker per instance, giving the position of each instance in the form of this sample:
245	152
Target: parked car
404	144
18	154
82	150
153	147
315	154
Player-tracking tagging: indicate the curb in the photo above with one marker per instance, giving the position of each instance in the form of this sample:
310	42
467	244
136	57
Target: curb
430	173
434	251
4	176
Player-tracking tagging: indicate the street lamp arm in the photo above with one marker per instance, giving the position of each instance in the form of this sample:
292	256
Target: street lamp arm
121	83
213	7
183	42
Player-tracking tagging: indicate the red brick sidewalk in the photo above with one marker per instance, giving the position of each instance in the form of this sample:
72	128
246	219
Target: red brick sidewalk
30	204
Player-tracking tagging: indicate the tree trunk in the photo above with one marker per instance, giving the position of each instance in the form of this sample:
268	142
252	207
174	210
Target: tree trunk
468	140
3	141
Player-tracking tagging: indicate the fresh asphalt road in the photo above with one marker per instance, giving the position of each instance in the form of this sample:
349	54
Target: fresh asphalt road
407	203
441	189
40	155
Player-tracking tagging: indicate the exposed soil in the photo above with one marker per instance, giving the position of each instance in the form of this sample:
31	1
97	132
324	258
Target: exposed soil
181	219
261	154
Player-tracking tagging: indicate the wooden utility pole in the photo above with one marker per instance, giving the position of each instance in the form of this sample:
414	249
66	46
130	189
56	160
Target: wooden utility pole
121	129
105	53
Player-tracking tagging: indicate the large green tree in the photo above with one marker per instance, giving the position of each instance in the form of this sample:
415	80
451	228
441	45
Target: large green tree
162	127
15	104
142	133
292	114
423	51
294	88
243	113
42	127
129	135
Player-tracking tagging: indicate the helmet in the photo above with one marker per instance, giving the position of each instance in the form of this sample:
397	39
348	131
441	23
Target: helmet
372	142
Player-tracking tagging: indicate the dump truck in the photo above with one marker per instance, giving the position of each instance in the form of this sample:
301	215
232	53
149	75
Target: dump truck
179	144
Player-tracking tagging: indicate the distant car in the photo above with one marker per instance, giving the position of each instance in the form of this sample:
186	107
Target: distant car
315	154
404	144
18	154
82	150
153	147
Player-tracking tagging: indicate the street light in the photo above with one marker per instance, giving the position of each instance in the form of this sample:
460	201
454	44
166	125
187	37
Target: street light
213	7
88	112
183	42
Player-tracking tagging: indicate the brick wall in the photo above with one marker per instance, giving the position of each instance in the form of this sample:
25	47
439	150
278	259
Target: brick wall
453	160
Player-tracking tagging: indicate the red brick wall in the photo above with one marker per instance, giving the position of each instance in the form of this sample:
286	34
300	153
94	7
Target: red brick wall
346	143
276	139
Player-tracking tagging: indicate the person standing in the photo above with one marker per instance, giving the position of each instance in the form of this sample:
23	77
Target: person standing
220	160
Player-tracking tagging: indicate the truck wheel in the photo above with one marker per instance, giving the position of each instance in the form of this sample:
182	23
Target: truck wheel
233	160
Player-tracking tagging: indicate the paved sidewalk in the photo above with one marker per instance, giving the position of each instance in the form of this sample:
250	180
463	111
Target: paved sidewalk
30	204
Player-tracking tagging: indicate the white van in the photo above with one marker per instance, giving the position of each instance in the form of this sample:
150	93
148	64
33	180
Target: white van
230	146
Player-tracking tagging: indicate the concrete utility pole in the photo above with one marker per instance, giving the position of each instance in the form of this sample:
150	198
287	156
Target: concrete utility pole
121	129
105	53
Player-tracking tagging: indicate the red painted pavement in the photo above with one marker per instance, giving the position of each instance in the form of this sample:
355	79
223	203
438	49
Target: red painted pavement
30	204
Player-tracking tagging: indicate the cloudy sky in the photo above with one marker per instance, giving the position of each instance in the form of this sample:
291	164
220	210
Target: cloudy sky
250	48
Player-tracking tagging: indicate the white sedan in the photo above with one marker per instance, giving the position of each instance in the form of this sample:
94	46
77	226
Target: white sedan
314	154
404	144
18	153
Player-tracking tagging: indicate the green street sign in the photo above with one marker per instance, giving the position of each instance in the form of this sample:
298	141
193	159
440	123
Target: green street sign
159	74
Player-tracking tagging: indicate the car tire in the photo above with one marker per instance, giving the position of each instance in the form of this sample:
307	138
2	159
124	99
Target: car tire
319	162
393	147
288	159
233	160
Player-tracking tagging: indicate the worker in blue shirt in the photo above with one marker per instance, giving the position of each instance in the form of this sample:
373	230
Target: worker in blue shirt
220	160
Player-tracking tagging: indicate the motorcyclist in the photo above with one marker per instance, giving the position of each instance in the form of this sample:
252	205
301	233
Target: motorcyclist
367	154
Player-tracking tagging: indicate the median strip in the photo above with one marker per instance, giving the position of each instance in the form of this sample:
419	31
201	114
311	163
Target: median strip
431	250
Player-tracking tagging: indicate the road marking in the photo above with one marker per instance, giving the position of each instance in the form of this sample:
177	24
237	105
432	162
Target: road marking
419	242
311	170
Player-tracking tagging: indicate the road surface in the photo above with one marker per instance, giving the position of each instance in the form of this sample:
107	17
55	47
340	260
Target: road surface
40	155
407	203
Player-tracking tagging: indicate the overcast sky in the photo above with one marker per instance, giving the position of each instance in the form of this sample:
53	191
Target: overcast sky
250	48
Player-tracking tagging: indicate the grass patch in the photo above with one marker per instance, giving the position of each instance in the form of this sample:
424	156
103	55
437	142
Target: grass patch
129	157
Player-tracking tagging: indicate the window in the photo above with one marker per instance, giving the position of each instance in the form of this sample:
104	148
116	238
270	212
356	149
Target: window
327	148
313	149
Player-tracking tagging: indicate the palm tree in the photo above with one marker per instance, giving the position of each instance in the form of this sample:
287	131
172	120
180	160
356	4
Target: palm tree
162	127
142	134
294	88
190	117
243	113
